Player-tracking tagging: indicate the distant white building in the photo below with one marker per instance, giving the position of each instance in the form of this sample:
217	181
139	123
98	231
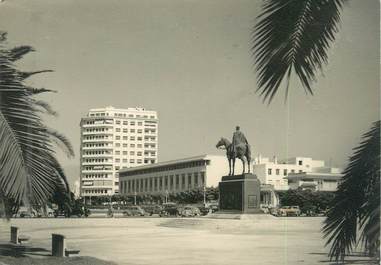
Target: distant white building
112	139
321	179
275	172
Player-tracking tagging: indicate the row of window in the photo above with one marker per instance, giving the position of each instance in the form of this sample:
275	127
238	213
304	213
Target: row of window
97	160
97	145
103	114
277	171
92	176
97	137
93	191
103	152
164	183
90	122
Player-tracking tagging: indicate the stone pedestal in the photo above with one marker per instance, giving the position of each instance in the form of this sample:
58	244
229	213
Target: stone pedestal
240	194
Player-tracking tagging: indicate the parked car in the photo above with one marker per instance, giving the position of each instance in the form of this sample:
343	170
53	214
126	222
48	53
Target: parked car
152	209
24	212
289	211
169	209
134	211
189	211
204	210
213	206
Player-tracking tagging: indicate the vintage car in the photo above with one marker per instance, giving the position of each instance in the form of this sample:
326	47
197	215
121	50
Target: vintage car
289	211
169	209
189	211
134	211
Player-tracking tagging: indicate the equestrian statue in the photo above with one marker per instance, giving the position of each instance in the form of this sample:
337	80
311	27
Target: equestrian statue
239	148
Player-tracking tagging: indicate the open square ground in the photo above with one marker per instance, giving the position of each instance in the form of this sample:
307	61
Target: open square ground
175	241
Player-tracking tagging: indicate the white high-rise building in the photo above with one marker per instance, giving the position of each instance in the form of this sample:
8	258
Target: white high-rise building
112	139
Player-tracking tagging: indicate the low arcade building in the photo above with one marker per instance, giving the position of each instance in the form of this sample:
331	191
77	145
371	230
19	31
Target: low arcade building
175	176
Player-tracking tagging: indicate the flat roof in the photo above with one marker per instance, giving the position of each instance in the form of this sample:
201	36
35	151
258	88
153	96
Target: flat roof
315	175
166	163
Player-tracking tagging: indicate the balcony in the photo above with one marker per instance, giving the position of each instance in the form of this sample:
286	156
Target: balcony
109	147
98	133
104	140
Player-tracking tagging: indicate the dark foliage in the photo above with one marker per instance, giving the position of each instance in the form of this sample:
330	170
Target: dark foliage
293	36
356	207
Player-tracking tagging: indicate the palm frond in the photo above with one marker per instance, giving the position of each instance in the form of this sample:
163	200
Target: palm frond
18	52
356	205
293	36
25	75
29	170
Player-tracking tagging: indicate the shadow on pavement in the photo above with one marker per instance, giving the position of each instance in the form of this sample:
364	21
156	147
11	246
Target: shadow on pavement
22	251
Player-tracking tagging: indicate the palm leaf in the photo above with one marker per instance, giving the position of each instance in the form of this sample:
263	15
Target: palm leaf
29	170
293	36
356	206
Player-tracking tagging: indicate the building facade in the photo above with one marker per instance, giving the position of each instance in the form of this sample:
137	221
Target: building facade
321	179
112	139
175	176
275	172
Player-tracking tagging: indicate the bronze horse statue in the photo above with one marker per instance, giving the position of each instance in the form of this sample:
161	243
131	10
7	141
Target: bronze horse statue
241	151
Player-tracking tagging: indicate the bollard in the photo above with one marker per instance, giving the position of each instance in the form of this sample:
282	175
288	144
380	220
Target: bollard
58	245
14	234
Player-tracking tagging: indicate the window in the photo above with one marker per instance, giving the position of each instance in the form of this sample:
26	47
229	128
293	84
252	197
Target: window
124	152
195	179
292	170
132	153
300	162
117	152
171	181
300	171
124	122
269	171
125	130
117	144
140	123
284	172
117	160
132	123
202	179
125	138
117	122
117	137
117	129
277	171
132	130
183	180
124	145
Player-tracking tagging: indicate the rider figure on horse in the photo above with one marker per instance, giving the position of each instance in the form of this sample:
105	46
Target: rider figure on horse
239	138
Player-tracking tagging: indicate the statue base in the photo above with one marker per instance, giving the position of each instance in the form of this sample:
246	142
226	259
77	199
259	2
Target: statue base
240	194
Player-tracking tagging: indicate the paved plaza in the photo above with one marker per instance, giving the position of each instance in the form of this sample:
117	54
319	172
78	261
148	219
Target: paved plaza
175	241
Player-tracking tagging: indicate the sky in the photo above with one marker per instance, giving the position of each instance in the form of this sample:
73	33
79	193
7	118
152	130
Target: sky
190	61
